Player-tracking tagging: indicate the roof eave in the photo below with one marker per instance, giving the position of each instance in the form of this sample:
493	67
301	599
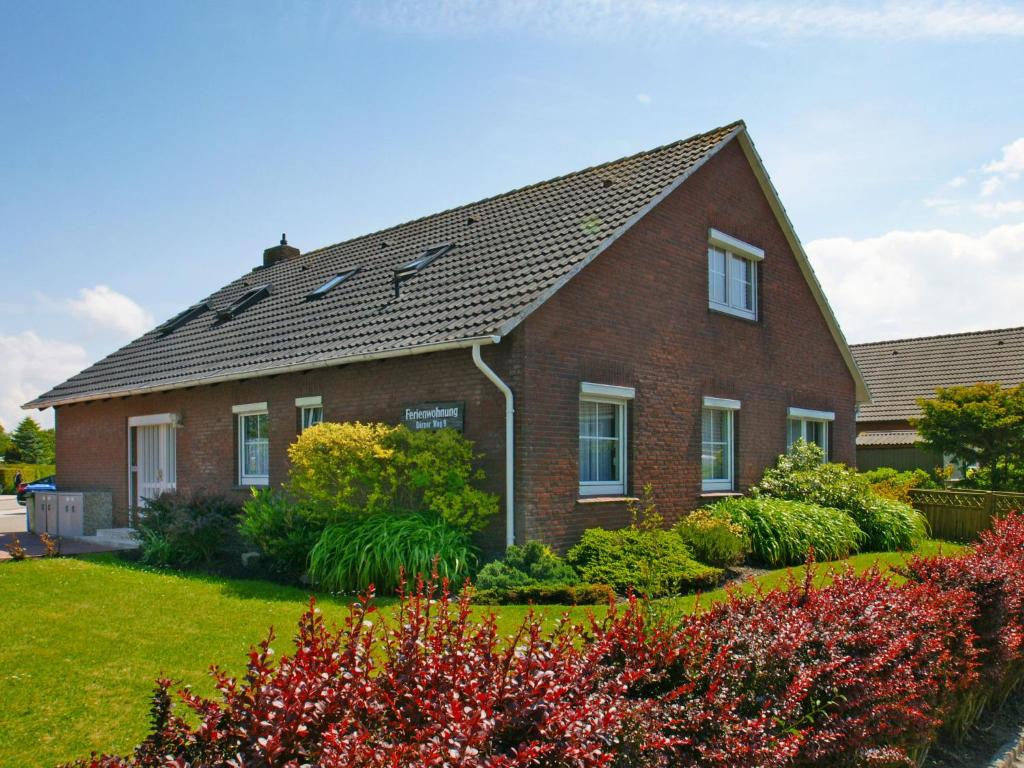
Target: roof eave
42	403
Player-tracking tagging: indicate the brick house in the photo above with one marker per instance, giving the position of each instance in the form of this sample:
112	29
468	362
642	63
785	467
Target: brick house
649	320
900	371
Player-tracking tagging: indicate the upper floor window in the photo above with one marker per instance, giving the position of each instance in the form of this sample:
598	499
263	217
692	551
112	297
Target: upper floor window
718	444
603	439
732	275
253	444
810	426
311	411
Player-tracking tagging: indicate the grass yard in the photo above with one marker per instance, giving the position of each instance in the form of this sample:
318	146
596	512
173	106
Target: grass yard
83	640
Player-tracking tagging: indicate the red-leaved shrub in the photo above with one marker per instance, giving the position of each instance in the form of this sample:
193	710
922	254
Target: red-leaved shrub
993	579
860	672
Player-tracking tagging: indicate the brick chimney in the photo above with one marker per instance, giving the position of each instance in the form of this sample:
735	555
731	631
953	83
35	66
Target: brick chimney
281	252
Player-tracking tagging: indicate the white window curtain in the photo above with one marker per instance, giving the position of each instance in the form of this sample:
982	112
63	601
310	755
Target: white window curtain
254	449
717	449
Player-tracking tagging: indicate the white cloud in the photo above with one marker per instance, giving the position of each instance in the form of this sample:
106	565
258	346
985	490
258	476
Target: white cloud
31	366
916	283
1001	208
959	181
990	186
107	310
643	98
932	19
1011	163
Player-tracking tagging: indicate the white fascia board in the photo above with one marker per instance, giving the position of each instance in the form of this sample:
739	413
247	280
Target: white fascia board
607	390
309	402
306	365
863	394
807	413
152	419
249	408
724	403
734	244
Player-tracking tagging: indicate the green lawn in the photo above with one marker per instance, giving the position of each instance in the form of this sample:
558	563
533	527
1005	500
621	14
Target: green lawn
83	640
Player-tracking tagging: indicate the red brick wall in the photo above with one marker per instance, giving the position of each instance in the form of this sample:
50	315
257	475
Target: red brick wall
638	316
92	440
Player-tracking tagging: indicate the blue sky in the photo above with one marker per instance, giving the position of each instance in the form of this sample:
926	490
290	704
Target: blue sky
149	152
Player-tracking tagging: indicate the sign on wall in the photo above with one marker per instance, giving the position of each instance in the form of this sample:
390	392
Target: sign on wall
434	416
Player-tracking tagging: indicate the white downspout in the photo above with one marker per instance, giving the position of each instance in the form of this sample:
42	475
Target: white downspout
510	507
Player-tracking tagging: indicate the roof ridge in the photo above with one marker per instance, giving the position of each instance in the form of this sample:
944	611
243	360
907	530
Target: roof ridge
937	336
723	128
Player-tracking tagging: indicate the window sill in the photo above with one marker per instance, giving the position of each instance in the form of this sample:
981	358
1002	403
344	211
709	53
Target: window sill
606	499
728	311
249	486
720	494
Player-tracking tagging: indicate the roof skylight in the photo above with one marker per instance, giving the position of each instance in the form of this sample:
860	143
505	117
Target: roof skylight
414	267
183	317
247	299
334	282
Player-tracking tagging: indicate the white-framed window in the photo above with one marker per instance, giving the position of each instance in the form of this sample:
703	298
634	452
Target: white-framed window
603	410
718	444
311	411
253	444
808	425
732	275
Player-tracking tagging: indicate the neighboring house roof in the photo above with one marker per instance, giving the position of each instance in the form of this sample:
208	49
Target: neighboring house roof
510	254
887	437
899	372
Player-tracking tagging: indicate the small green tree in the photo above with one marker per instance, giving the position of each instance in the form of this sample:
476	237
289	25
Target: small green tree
49	446
5	441
982	424
28	442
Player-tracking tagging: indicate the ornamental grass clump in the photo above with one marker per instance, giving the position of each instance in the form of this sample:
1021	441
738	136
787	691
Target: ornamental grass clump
801	475
782	532
377	550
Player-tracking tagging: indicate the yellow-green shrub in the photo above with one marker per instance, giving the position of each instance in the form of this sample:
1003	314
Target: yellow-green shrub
713	540
353	470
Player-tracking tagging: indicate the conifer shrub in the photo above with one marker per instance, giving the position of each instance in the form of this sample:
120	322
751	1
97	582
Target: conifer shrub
532	573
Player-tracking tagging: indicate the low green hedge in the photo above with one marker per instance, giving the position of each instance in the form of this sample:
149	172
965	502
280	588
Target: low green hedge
29	473
782	532
653	562
546	594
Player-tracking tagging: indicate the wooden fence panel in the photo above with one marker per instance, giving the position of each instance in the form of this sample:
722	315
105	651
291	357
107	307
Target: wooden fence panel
961	515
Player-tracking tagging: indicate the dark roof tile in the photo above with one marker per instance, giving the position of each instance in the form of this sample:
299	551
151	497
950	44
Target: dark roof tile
519	246
898	372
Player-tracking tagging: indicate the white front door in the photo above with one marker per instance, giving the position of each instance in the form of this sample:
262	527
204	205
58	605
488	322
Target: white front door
156	468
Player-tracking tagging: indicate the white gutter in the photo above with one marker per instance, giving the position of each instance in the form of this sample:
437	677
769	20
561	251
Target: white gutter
218	378
510	507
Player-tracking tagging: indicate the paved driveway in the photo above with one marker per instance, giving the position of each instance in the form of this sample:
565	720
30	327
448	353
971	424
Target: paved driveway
12	515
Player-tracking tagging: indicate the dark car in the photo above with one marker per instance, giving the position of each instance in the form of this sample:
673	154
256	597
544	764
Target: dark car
41	485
